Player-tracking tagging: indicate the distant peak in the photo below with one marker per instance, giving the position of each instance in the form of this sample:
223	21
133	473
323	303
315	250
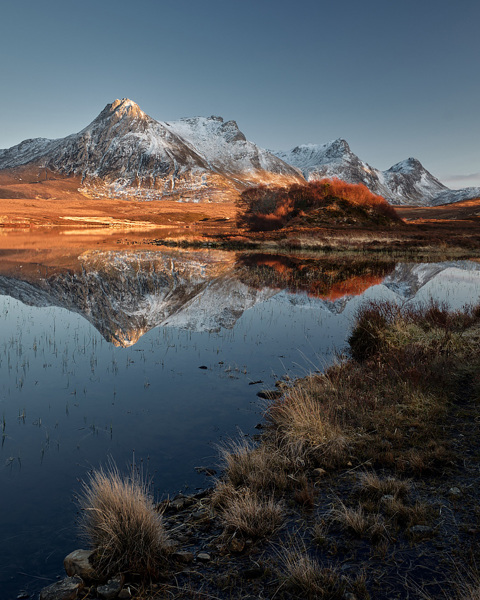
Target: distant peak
122	108
407	165
340	144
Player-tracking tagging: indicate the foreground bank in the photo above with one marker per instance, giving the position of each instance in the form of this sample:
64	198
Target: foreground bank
362	484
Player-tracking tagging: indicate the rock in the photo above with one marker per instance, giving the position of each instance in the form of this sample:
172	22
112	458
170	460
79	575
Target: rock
79	563
455	492
198	515
421	530
349	596
125	594
319	473
23	595
203	367
111	589
183	556
204	557
66	589
269	394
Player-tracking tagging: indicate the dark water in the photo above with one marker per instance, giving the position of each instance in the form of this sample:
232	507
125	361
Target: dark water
101	359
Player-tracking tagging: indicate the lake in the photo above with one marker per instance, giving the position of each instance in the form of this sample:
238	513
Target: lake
155	355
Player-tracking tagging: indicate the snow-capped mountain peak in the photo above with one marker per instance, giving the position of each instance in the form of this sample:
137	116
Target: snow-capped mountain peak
125	152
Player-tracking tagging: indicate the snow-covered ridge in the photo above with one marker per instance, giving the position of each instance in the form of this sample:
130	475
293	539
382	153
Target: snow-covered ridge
406	182
126	152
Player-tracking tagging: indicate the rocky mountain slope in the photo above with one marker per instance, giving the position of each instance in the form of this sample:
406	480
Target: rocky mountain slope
124	152
407	182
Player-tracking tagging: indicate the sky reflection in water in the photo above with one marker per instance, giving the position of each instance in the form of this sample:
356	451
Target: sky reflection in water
69	398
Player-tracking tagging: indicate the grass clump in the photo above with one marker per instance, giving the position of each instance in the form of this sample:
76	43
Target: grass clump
305	576
120	522
387	404
260	467
250	514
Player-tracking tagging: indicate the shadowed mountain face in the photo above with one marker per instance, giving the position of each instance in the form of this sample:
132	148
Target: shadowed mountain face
124	152
125	294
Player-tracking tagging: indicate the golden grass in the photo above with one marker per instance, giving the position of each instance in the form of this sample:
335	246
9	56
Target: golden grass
360	523
120	521
254	516
306	576
260	467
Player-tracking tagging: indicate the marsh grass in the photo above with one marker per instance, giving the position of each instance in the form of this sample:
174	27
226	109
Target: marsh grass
250	514
119	519
385	406
258	467
360	523
307	577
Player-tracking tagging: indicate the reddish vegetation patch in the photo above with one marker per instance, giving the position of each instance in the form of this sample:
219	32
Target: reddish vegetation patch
329	201
327	278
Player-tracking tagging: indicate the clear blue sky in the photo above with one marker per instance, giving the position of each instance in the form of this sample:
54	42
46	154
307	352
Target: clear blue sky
395	79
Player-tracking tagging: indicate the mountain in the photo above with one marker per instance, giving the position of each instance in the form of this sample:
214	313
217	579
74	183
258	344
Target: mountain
407	182
124	153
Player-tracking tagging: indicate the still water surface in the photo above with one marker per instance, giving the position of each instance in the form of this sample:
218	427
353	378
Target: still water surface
100	358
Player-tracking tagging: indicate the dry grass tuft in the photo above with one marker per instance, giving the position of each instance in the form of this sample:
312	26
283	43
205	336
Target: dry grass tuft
250	514
260	467
360	523
306	576
120	521
371	486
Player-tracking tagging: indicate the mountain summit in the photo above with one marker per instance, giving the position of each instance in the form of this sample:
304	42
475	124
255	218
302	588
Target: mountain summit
124	153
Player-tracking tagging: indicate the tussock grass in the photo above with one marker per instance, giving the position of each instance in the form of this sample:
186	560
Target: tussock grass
250	514
120	522
387	403
360	523
306	576
260	467
372	486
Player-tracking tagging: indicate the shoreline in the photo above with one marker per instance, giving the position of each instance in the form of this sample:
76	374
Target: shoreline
382	477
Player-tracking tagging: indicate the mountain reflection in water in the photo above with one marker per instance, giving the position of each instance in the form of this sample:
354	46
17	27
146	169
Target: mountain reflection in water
99	356
124	294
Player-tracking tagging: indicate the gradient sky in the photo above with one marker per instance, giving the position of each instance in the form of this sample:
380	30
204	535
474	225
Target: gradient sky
395	79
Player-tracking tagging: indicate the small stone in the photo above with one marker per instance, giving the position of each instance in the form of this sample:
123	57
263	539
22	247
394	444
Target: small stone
66	589
421	530
79	563
319	473
269	394
349	596
198	515
183	556
125	594
204	557
455	492
111	589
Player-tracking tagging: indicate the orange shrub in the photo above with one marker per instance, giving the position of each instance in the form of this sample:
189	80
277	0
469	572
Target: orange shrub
266	208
